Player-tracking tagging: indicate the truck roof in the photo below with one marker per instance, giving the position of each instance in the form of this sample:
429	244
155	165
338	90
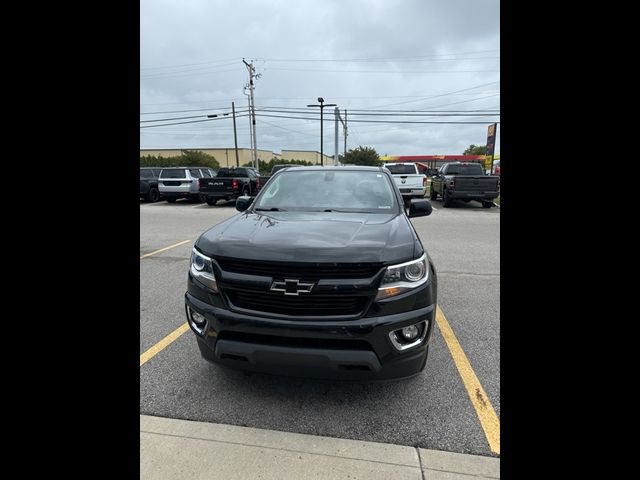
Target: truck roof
192	166
339	168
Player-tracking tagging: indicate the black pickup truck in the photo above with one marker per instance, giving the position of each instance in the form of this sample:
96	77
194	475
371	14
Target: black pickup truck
464	181
230	183
322	275
276	168
149	183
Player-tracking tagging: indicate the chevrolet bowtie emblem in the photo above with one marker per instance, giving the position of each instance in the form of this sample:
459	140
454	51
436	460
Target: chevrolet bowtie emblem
291	287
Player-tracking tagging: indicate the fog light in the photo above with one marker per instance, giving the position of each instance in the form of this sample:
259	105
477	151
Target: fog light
197	318
409	337
410	333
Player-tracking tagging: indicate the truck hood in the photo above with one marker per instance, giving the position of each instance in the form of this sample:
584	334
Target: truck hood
313	237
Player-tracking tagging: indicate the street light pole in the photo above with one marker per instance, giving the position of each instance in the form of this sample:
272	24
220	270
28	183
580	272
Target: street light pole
322	105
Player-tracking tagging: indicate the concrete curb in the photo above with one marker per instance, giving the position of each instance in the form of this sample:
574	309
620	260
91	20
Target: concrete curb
177	449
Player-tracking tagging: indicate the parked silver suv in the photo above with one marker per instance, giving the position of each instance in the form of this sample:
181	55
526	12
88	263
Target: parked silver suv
182	182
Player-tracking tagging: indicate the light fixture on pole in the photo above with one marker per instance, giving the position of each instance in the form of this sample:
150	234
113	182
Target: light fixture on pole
322	105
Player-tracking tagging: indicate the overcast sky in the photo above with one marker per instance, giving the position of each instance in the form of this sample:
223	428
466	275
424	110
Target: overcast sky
422	55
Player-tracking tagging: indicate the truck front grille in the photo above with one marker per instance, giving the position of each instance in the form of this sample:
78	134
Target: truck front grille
301	271
308	305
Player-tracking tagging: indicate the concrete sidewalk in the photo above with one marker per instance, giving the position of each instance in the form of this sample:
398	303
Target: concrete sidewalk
179	449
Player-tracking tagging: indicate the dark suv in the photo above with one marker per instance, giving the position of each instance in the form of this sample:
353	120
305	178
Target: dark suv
322	275
149	183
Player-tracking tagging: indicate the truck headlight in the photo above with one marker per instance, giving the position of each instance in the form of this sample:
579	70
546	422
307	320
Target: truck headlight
202	270
405	276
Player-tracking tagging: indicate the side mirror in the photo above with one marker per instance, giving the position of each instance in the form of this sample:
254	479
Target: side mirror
242	203
420	208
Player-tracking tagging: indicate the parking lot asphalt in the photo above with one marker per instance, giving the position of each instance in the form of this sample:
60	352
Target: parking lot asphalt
432	410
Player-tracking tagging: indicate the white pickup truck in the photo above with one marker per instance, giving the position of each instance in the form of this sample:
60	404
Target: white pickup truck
410	181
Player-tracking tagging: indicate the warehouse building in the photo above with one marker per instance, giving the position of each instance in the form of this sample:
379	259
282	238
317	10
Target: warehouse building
226	157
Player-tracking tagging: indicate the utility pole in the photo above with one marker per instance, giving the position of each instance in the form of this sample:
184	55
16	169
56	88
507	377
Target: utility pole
344	127
252	74
345	133
235	134
335	150
250	125
322	105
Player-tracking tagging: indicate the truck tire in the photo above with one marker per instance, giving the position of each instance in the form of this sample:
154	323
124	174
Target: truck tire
211	201
446	199
487	204
171	199
154	194
433	195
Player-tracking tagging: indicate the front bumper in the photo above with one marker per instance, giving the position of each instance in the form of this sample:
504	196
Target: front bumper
336	349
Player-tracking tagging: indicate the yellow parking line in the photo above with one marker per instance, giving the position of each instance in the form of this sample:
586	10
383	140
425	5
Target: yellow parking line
163	249
164	343
487	415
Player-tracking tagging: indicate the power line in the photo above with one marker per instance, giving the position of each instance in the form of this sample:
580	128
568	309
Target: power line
419	97
192	116
191	64
379	71
466	101
185	111
375	114
377	59
195	69
192	121
150	77
380	121
439	95
289	129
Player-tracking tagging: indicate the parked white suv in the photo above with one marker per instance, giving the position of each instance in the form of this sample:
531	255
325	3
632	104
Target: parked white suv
182	182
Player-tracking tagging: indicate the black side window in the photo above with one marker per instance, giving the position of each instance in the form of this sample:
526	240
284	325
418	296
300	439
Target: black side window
195	173
206	173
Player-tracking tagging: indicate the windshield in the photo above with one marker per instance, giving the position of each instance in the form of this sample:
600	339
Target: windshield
173	173
462	169
402	169
343	190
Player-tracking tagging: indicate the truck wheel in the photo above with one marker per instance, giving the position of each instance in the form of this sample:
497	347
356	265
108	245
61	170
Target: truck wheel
433	195
211	201
171	199
154	194
487	204
446	198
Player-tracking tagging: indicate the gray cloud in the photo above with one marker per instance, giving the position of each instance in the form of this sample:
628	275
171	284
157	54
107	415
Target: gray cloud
191	58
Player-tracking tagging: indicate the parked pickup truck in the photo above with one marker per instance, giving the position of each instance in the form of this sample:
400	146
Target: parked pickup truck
322	275
230	183
464	181
149	184
276	168
410	181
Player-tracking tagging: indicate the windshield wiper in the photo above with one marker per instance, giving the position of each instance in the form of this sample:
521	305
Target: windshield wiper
272	209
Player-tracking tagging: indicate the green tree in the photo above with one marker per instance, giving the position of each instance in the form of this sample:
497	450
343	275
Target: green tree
265	167
196	158
475	150
188	158
363	156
